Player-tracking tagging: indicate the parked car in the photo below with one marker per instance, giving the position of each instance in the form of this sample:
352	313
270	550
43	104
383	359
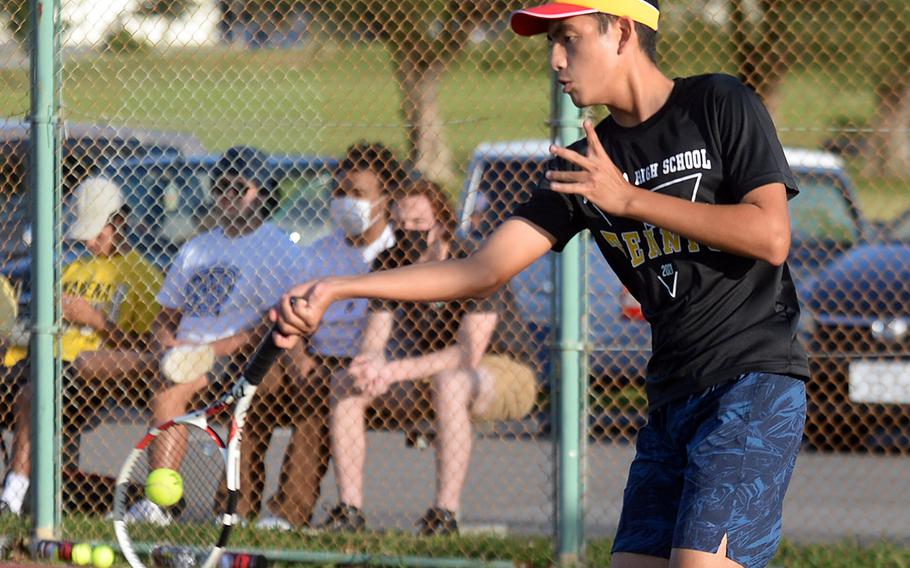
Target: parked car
860	309
896	229
826	221
86	149
169	195
169	198
860	390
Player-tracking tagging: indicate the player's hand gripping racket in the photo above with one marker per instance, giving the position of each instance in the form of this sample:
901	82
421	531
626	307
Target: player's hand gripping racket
194	530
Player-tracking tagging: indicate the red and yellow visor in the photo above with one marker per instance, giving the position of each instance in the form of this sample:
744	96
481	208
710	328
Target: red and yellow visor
533	21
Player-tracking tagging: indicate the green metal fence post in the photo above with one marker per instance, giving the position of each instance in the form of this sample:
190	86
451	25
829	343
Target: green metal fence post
566	129
42	121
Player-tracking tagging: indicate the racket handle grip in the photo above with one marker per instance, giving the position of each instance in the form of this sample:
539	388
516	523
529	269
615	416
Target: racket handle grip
262	359
231	559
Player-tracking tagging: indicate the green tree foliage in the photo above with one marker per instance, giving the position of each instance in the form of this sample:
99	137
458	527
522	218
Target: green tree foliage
865	42
17	13
763	48
423	37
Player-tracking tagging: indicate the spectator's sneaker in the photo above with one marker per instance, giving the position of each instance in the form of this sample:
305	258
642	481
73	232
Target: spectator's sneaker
271	522
344	519
145	511
437	522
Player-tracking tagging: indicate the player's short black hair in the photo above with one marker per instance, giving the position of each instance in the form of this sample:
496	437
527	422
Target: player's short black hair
378	159
647	38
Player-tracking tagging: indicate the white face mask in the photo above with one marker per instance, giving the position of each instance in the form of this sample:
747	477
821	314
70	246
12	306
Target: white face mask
353	216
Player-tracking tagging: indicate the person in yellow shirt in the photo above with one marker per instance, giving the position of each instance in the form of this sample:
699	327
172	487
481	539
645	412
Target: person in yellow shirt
108	304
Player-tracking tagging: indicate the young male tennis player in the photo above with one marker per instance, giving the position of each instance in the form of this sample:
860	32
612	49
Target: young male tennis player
684	188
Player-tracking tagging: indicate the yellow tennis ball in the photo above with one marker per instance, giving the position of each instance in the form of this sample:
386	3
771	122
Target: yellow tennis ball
82	554
102	556
164	487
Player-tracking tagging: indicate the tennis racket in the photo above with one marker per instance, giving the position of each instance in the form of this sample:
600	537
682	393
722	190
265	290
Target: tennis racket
197	525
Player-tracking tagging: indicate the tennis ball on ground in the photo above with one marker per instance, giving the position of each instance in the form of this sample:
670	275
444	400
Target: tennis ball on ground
102	556
81	554
164	487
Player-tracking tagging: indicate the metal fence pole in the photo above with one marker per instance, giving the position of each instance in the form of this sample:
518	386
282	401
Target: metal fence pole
42	119
566	129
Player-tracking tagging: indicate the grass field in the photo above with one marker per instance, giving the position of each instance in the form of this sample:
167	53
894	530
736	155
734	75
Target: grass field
320	99
523	551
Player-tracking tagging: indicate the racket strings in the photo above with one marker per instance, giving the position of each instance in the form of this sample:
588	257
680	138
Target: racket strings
196	520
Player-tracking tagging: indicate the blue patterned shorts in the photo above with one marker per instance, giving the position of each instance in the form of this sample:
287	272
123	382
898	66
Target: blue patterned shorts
715	463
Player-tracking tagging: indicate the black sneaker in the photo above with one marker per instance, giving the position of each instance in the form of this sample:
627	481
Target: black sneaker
344	519
437	522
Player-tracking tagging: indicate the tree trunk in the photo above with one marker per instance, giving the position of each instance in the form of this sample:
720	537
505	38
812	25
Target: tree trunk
421	51
889	143
762	52
888	150
428	151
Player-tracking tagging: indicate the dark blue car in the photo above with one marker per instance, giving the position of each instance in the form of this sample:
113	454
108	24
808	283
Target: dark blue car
85	150
169	199
859	306
169	196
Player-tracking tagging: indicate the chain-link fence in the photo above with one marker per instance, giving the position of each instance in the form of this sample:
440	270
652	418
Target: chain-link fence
227	129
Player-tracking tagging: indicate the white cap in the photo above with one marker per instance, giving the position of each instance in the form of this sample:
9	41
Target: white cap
95	201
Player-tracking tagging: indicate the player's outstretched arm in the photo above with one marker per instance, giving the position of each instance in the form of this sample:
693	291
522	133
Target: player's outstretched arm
509	250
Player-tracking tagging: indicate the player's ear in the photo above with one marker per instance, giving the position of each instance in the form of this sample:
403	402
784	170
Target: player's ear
627	37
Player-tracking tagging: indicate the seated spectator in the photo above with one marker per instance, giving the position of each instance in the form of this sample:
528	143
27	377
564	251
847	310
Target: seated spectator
459	347
108	307
214	300
365	179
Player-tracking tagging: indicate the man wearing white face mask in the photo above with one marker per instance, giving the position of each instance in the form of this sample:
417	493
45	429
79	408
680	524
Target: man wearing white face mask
365	180
355	216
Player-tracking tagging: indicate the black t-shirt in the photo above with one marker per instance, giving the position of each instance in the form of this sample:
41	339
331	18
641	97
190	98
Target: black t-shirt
713	315
421	328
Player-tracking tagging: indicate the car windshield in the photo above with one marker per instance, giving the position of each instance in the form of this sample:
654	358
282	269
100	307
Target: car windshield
304	208
820	212
85	150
